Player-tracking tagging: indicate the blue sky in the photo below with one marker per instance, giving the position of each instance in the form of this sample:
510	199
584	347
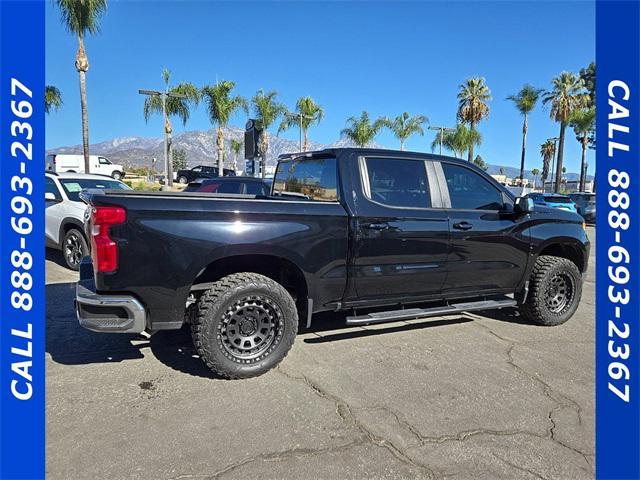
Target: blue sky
385	57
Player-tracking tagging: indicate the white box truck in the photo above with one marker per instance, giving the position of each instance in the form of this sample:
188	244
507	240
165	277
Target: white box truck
100	165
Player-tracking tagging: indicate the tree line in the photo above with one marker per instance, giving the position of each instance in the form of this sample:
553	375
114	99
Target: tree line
571	102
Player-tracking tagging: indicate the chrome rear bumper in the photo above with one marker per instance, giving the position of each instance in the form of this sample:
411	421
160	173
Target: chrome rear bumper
116	313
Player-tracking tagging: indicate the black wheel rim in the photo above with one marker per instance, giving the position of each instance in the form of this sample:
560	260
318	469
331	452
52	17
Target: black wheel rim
559	293
73	249
251	328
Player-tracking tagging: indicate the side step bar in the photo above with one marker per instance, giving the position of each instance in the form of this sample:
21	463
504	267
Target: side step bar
412	313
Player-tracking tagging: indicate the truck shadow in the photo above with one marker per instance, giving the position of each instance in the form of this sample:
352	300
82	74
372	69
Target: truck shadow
55	256
69	344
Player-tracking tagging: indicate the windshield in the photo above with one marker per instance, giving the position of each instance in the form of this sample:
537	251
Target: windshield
73	186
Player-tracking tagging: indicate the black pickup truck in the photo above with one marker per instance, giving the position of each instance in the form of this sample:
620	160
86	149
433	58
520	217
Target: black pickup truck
384	235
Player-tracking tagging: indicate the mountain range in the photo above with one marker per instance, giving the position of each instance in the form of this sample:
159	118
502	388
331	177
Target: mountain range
200	148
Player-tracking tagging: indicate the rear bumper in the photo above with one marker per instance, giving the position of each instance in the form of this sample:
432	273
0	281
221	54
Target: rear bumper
118	313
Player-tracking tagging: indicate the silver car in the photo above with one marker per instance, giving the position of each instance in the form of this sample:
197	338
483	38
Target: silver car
64	213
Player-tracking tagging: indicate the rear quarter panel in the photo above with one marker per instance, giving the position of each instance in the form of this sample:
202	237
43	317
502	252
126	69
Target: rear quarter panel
167	241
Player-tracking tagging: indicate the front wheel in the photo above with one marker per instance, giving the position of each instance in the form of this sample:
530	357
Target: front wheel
245	325
555	288
183	180
74	247
116	175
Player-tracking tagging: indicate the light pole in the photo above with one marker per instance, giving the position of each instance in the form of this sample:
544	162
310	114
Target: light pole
442	130
553	163
300	116
167	161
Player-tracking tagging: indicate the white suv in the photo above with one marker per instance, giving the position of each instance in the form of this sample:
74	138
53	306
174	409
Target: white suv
64	213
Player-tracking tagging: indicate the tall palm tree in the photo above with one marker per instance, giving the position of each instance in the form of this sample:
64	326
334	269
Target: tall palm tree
472	104
178	107
81	17
221	105
52	98
361	130
458	141
525	101
267	110
566	96
535	172
583	122
236	147
306	114
404	125
547	152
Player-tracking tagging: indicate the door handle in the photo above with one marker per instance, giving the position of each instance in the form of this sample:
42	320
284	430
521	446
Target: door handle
462	226
375	226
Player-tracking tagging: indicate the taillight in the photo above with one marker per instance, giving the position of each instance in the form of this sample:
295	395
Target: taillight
104	251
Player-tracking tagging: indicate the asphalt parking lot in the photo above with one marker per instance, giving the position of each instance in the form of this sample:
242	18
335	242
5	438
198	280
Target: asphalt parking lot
465	397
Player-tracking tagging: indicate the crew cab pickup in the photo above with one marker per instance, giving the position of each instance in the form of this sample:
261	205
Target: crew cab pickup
384	235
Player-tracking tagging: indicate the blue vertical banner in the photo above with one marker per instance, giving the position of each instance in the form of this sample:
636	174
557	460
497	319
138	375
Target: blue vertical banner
22	301
618	240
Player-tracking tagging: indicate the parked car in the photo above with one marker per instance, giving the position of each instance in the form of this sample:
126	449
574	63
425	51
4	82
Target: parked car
64	212
553	200
201	171
404	235
586	204
239	185
99	165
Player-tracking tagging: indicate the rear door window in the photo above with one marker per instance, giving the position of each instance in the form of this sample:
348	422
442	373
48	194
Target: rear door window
397	183
468	190
307	178
51	187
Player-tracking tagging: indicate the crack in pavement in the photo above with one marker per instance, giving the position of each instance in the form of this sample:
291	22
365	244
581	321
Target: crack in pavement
281	455
345	413
518	467
560	400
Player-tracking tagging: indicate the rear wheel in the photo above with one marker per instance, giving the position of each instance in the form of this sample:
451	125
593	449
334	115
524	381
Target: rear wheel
245	325
74	247
555	287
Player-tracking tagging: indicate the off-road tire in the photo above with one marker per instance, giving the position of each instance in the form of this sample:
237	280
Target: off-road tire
541	306
72	241
212	332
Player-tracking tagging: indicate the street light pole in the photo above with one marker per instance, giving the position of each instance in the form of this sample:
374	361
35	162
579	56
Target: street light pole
164	95
442	130
553	163
300	116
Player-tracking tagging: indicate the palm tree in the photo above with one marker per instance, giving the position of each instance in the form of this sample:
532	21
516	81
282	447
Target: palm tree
52	98
361	130
221	105
547	152
404	125
179	107
307	113
472	104
583	123
458	141
535	172
81	17
267	111
525	101
236	146
479	162
565	97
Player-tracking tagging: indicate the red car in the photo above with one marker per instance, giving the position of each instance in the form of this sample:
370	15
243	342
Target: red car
240	185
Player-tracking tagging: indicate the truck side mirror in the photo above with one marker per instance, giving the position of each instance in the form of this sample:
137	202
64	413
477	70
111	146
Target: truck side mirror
523	205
